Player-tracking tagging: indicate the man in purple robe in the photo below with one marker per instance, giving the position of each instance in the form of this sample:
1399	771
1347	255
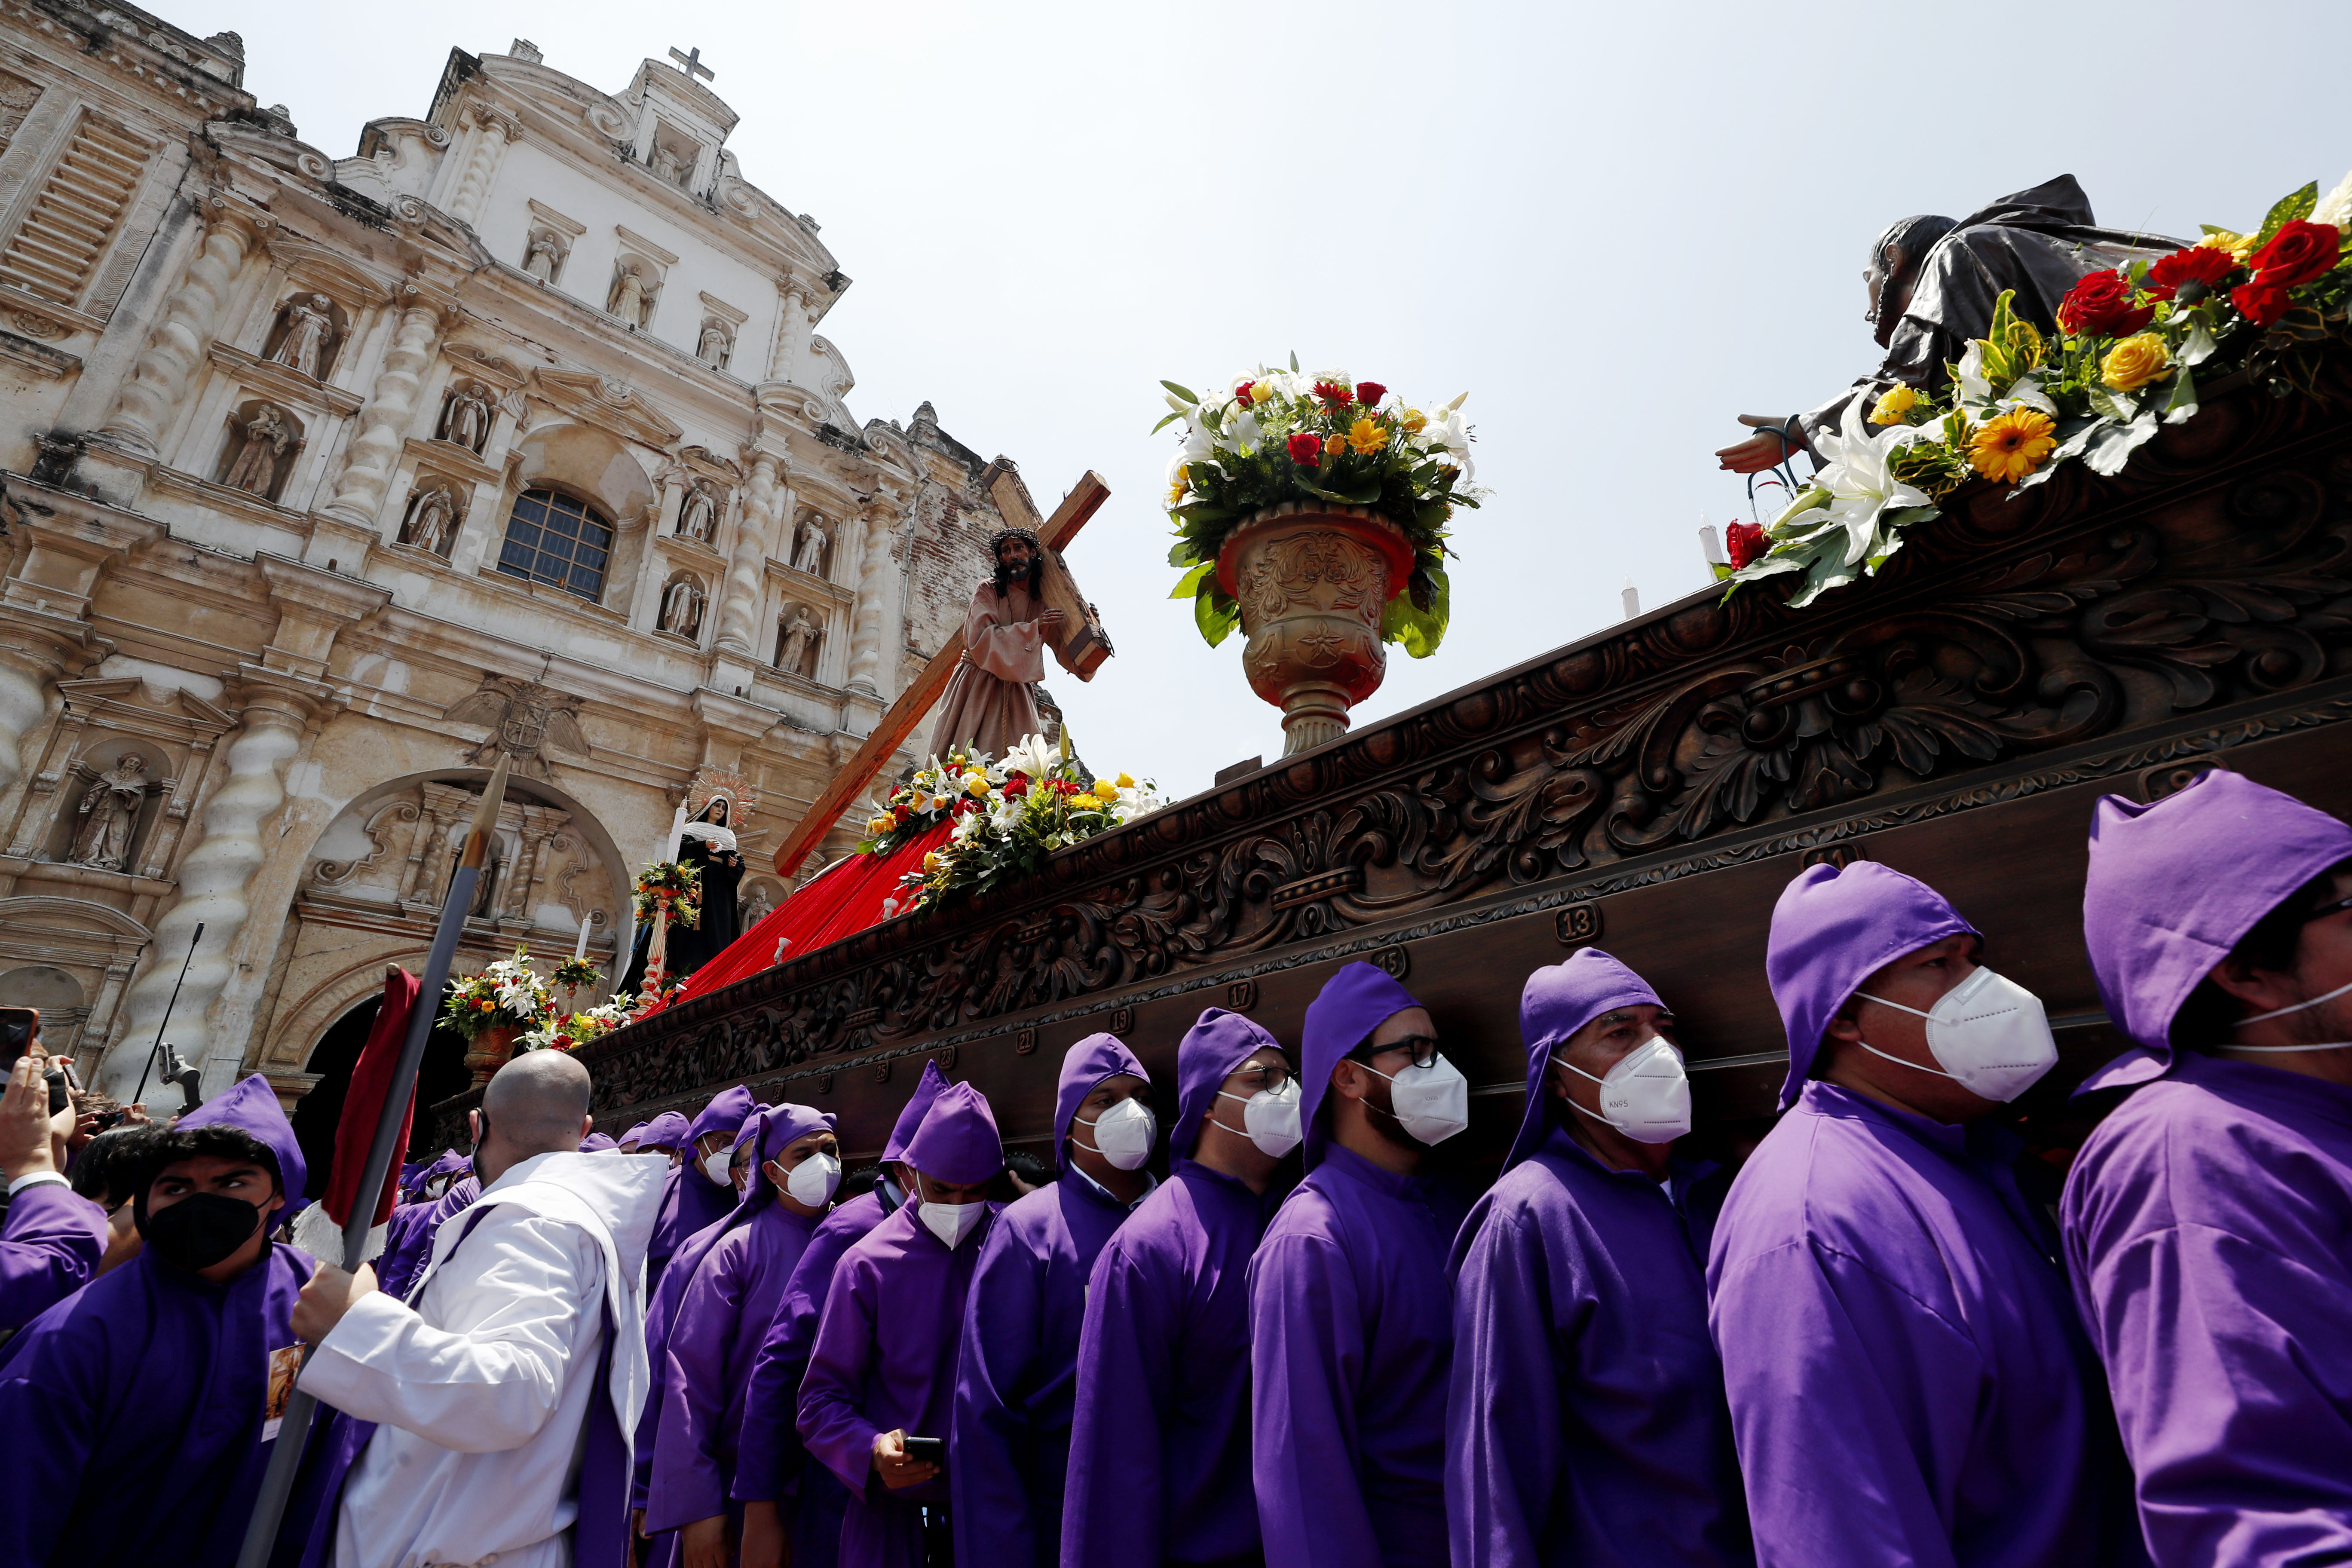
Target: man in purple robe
142	1408
1586	1424
54	1236
1351	1314
771	1469
697	1196
1907	1379
1011	1436
736	1280
2209	1218
1160	1438
882	1370
450	1187
665	1135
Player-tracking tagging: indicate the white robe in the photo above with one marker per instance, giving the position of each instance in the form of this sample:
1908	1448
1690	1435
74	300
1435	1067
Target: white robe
482	1390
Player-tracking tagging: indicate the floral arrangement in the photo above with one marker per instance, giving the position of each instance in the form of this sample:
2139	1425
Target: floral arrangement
2131	348
574	973
672	883
563	1031
924	799
1020	810
1280	435
506	995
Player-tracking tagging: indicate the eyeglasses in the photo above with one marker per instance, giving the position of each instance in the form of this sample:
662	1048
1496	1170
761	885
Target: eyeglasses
1422	1047
1266	1076
2323	911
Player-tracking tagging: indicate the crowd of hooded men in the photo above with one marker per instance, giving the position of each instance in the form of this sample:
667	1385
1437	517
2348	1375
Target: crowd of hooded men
1874	1344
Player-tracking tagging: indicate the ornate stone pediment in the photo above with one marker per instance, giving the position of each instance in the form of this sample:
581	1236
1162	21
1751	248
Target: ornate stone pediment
594	400
315	267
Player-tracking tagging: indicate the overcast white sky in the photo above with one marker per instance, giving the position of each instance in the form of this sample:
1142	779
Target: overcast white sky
1615	226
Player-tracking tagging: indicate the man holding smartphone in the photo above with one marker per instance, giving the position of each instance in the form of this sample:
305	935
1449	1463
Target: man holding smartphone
54	1236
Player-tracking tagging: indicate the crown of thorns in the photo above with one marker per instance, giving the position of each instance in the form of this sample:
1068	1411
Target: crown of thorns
996	541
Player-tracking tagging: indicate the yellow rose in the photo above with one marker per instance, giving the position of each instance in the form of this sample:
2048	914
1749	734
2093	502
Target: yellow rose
1894	404
2012	444
2135	362
1261	392
1106	791
878	825
932	861
1415	421
1335	445
1125	782
975	784
1367	436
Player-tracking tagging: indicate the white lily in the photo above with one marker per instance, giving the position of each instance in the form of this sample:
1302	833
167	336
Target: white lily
1199	445
1976	394
1446	428
1855	484
1034	755
1242	434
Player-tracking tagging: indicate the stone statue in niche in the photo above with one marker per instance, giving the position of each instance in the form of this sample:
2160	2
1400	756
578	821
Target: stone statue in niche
792	645
543	257
811	558
303	346
714	347
109	813
432	519
697	514
628	298
465	417
267	435
682	608
669	166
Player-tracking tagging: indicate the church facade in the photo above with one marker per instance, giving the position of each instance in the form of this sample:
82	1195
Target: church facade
329	478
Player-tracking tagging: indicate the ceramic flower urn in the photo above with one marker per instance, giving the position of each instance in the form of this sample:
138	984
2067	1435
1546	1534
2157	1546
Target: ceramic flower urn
1312	582
486	1052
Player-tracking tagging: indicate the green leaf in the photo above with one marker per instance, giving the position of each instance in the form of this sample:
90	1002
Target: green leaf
1215	624
1190	586
1186	392
1165	421
1182	554
1294	362
2289	209
2183	401
2112	406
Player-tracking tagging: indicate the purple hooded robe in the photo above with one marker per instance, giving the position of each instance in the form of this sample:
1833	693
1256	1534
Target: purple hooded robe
1351	1330
1016	1377
730	1297
1586	1424
693	1201
885	1355
1160	1436
408	1233
770	1465
1907	1379
48	1250
2208	1220
139	1398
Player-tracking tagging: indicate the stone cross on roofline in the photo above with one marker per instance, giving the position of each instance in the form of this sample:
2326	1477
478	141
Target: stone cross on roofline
692	65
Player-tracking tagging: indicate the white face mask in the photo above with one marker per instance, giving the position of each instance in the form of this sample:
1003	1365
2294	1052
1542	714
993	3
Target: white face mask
716	1166
1646	1095
1124	1134
814	1180
951	1222
1270	1118
1431	1103
1989	1033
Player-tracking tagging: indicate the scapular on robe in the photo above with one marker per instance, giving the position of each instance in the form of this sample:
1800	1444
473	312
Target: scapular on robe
1586	1422
141	1399
50	1248
730	1297
408	1236
886	1348
769	1463
1160	1433
1016	1376
2208	1220
692	1201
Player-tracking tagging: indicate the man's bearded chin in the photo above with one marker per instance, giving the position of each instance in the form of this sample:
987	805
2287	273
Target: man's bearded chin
1033	576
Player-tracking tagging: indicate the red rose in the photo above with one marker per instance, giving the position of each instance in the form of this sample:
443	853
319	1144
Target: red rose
1241	393
1306	450
1746	543
2260	301
1370	393
901	813
2298	253
1017	785
2100	306
2199	264
1332	393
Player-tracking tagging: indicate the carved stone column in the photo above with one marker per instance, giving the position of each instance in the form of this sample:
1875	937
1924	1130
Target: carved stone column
493	132
540	824
873	579
160	377
213	880
35	648
739	608
374	451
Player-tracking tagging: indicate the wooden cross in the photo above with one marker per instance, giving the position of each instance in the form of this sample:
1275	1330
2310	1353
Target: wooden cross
693	65
1013	502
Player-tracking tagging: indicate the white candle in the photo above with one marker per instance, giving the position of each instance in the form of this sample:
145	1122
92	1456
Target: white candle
677	832
580	949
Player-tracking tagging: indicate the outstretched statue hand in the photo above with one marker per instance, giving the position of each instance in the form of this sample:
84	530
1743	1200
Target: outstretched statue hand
1762	450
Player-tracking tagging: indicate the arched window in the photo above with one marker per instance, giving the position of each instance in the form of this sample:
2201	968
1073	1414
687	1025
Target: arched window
553	538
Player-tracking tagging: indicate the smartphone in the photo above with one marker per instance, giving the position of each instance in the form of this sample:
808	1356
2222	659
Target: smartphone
928	1451
20	1028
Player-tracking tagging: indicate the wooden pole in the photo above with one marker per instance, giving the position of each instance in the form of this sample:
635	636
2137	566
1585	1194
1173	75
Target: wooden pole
1013	502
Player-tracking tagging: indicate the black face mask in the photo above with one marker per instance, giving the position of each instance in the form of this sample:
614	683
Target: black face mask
198	1231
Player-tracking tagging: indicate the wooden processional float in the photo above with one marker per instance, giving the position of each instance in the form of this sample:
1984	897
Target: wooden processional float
1650	789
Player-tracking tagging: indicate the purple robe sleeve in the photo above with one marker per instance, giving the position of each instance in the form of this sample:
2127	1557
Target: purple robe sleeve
993	1443
51	1390
49	1250
833	1421
688	1480
1114	1513
768	1456
1307	1362
661	1310
1853	1405
2230	1383
1505	1461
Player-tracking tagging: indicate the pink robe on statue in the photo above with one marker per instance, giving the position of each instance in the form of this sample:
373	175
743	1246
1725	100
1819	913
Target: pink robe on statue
988	704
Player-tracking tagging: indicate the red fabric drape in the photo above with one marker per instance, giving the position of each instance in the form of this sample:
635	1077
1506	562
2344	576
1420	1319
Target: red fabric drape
846	899
363	1104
